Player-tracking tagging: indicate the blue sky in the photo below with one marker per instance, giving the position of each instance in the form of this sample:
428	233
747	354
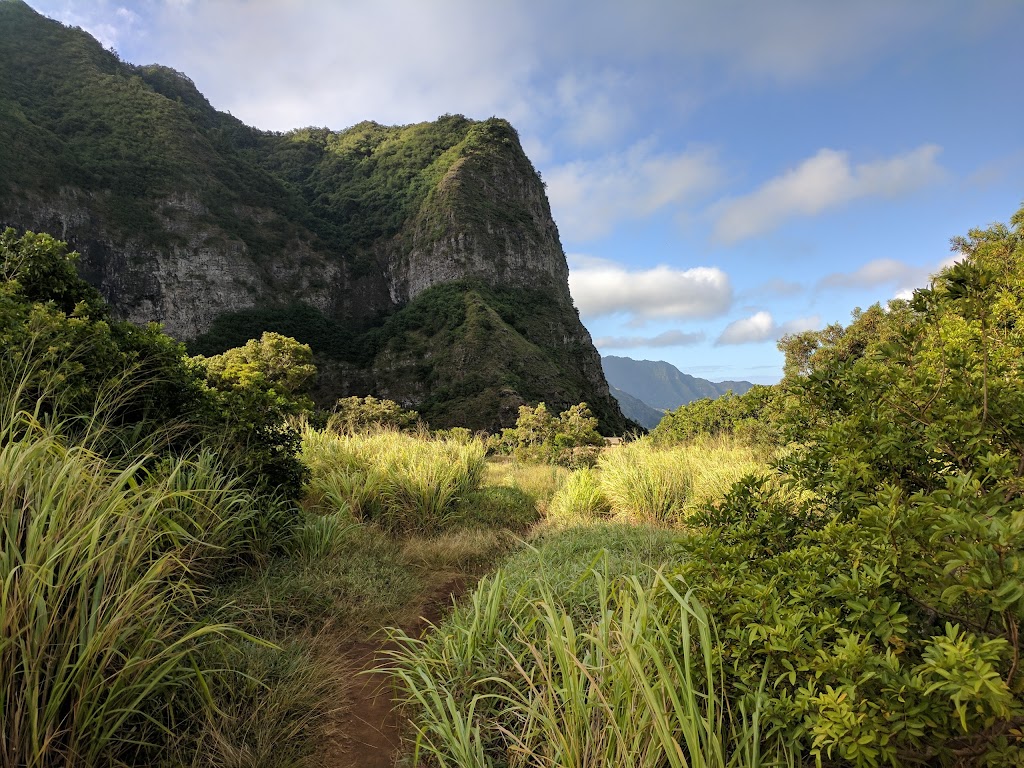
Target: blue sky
721	172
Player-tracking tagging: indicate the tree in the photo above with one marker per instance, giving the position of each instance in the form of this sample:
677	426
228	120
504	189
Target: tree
360	414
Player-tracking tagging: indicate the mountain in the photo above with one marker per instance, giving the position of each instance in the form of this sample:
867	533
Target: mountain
661	385
420	262
637	409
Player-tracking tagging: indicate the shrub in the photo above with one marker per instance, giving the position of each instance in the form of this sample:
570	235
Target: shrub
363	414
570	439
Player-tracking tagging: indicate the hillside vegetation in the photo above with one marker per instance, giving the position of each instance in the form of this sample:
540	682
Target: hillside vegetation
356	242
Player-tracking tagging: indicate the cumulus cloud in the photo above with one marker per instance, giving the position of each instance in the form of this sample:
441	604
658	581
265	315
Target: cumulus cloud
604	288
761	326
589	198
673	338
825	181
899	275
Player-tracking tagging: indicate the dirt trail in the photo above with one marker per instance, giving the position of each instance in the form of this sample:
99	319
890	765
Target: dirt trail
368	732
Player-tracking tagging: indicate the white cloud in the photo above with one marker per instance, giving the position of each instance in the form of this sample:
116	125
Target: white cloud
799	325
589	198
820	183
776	287
873	274
761	326
674	338
280	65
899	275
604	288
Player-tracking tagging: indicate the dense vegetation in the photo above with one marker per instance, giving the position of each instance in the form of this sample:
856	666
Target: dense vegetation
166	600
861	604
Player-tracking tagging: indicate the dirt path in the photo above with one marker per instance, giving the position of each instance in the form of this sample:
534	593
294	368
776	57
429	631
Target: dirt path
368	732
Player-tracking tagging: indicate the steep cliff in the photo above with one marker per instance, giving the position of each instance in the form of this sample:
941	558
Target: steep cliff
420	262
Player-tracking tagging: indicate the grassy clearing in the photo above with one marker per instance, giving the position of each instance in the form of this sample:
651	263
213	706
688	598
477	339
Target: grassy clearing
579	651
656	485
537	482
401	482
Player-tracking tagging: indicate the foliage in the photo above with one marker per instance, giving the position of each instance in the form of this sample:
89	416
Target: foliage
568	439
755	417
886	606
65	355
273	362
361	414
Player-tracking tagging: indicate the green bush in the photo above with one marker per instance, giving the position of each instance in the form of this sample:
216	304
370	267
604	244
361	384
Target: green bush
62	354
754	417
570	439
361	414
886	606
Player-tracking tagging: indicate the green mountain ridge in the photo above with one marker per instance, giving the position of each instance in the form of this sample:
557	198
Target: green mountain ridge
661	385
349	240
636	409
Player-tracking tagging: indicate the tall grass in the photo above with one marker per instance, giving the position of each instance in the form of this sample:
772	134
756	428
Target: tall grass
402	482
95	597
659	485
515	679
579	500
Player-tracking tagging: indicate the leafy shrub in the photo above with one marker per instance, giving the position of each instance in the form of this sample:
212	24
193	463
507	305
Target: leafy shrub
886	606
570	439
64	355
361	414
754	417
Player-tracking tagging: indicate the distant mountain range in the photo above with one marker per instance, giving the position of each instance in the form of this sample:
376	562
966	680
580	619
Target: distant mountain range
636	409
646	389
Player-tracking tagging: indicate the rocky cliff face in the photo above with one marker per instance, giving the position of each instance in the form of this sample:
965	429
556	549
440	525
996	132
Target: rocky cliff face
350	241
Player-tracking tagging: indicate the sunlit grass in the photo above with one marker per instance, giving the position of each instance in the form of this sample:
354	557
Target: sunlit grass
517	678
662	485
399	481
95	595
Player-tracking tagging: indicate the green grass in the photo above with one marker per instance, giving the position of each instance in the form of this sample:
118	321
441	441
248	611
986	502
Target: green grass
515	679
579	501
97	623
401	482
664	485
